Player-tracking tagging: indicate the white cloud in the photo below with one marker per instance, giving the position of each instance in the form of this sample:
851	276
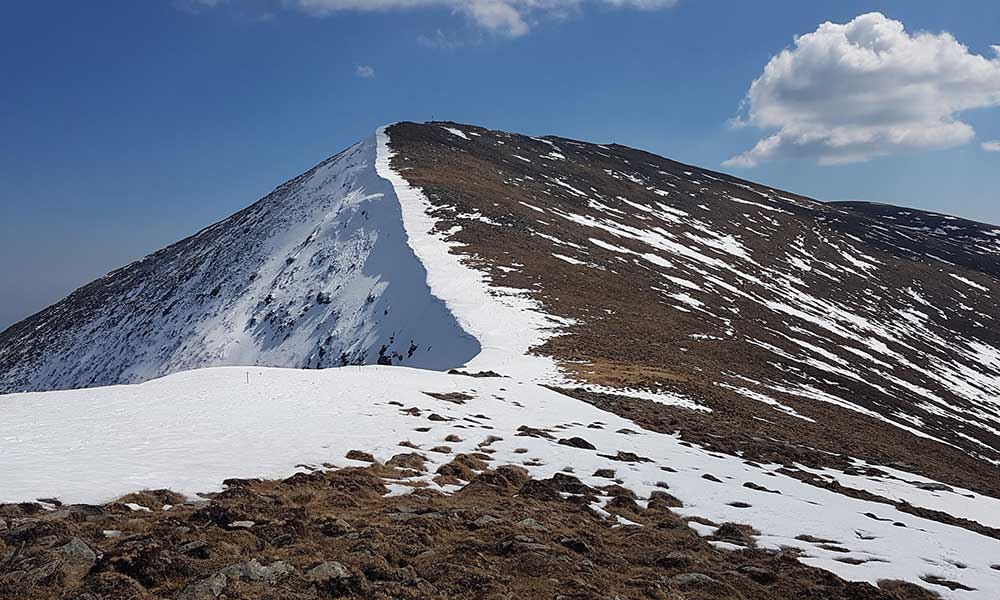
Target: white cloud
365	71
848	93
992	146
508	17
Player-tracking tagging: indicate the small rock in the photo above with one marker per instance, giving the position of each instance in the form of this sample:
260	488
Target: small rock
334	578
241	525
326	571
359	455
77	559
934	487
256	572
687	580
674	559
197	548
209	588
605	473
710	477
758	574
335	528
111	533
485	521
576	545
623	456
577	442
532	524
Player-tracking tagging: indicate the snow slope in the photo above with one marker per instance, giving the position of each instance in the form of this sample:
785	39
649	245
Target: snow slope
317	274
191	430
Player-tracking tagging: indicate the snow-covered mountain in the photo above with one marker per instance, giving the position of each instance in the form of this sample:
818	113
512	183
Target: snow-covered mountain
317	274
826	373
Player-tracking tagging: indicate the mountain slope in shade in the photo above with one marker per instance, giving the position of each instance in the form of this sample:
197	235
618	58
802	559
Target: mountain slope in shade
317	274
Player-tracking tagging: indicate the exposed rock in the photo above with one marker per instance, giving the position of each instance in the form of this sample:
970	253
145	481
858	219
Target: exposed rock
575	544
254	571
486	521
532	524
77	559
209	588
692	580
359	455
577	442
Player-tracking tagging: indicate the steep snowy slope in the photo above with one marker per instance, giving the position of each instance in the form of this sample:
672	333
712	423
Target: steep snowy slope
317	274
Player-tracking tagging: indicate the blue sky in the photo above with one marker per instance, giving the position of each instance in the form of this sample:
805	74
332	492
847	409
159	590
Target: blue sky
128	125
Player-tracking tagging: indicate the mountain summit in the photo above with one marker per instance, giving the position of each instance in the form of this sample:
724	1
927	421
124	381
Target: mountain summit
823	377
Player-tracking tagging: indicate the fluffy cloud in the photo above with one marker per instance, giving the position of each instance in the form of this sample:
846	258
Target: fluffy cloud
847	93
508	17
992	146
365	71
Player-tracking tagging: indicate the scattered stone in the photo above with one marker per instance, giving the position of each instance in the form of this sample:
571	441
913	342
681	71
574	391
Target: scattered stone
256	572
758	574
111	533
710	477
759	488
485	521
455	397
476	374
605	473
735	532
674	559
441	449
359	455
334	578
77	559
739	505
663	501
577	442
626	457
575	544
934	487
690	580
451	437
335	528
197	548
525	431
532	524
209	588
411	460
241	525
951	585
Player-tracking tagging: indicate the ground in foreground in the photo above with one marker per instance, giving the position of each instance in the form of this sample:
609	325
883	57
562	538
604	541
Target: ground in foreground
335	533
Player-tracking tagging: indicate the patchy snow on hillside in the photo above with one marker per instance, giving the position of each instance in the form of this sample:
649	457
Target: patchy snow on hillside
349	258
191	430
